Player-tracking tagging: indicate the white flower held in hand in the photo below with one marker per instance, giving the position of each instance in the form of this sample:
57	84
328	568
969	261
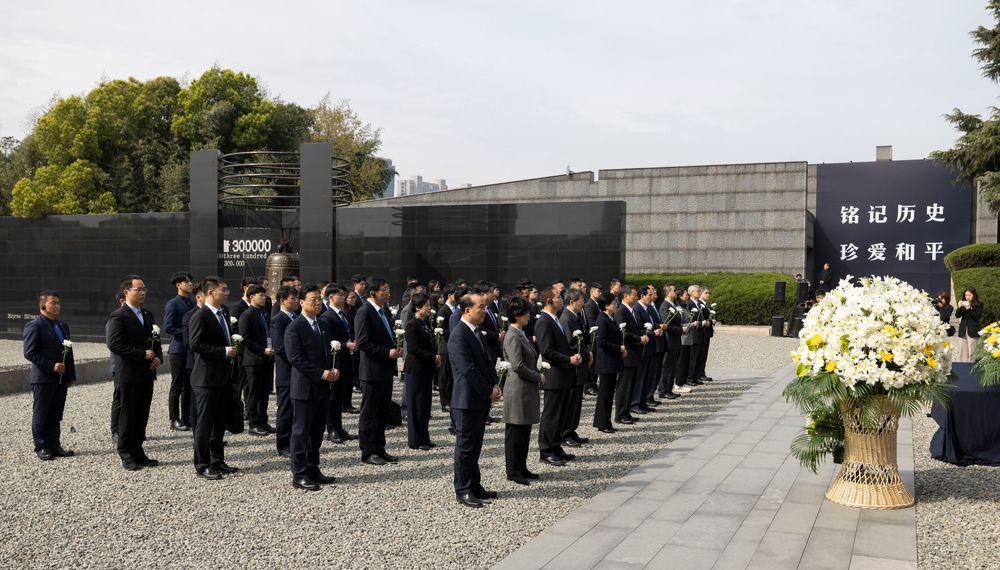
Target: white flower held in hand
233	321
503	366
335	344
545	365
440	319
156	330
577	332
593	329
621	327
67	344
237	338
400	332
504	319
399	323
648	326
439	330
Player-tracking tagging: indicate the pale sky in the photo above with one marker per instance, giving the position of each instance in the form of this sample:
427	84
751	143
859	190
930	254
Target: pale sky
480	93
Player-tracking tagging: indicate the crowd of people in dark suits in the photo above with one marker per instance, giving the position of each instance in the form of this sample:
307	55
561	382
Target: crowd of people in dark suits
316	345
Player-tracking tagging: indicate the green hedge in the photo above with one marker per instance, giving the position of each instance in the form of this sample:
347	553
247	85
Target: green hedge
743	298
986	280
975	255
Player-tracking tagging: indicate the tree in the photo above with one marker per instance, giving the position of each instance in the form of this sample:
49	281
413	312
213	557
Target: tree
976	154
355	141
56	189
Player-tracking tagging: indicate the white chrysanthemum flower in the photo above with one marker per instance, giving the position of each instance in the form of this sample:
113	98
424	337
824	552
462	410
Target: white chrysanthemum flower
156	330
67	343
335	344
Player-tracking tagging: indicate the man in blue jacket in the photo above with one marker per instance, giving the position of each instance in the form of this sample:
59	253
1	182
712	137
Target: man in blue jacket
179	401
52	371
475	388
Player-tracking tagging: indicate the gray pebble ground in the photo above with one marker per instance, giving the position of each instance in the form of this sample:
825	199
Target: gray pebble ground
87	512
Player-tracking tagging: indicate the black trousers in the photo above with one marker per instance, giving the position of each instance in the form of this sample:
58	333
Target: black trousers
470	427
703	357
550	431
667	370
256	391
340	399
132	419
623	392
192	417
641	379
116	409
516	440
418	408
605	400
283	419
575	410
375	397
683	361
211	404
445	381
179	400
46	413
692	367
653	376
307	436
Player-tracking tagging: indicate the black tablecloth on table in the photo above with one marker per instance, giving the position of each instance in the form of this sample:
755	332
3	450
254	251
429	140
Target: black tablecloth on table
968	432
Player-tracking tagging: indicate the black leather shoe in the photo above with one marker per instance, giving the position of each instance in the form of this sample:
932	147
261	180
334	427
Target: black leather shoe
130	465
210	473
421	447
626	421
335	437
553	460
352	410
45	455
608	430
706	379
324	479
178	425
639	411
226	469
519	479
572	443
653	402
268	428
485	496
531	475
469	500
695	382
284	453
147	462
582	440
258	431
305	485
566	456
646	408
388	458
432	445
670	396
346	436
373	460
62	452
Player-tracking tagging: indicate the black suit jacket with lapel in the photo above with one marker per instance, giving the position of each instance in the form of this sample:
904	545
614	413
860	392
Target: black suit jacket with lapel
44	349
444	314
374	343
208	341
254	332
282	368
309	354
474	375
420	350
492	337
342	334
674	327
129	340
554	349
571	322
633	330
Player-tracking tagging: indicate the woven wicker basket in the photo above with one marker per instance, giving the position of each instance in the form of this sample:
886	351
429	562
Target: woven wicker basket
869	477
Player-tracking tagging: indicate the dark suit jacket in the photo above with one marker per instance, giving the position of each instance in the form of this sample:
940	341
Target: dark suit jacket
633	330
130	339
420	349
696	333
444	313
208	341
173	317
309	355
652	317
674	327
282	368
969	323
342	334
186	336
570	323
473	373
253	329
374	344
608	359
555	350
491	324
44	349
592	311
238	308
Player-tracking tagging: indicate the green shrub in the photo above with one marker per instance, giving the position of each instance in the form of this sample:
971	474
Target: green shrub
975	255
986	280
743	298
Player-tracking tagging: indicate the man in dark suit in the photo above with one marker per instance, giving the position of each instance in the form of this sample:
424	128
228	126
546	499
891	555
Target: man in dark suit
673	328
244	302
378	367
255	354
114	363
475	388
340	327
574	319
592	311
445	380
707	333
635	339
48	347
288	304
212	342
640	310
180	383
132	338
697	334
560	381
308	347
491	323
199	300
652	354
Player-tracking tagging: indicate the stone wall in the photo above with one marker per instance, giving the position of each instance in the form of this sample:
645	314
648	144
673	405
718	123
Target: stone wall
744	217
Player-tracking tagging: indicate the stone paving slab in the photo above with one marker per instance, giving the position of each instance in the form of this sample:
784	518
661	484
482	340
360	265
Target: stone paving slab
728	494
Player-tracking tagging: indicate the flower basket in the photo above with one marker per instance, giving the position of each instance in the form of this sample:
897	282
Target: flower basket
869	477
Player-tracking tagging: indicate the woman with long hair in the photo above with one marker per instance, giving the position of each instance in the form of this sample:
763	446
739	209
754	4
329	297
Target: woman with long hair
970	310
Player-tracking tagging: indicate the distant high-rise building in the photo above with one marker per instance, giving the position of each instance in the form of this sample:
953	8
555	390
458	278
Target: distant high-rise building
416	185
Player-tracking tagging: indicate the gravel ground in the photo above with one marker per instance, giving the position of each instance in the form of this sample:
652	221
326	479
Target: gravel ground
956	508
87	512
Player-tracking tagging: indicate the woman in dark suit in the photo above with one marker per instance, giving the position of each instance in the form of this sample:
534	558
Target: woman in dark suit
609	350
970	310
943	305
520	392
418	372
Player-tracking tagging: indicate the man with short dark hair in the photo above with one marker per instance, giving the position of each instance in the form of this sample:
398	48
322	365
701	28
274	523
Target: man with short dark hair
255	354
343	332
574	320
634	338
134	337
592	311
114	363
48	347
560	380
179	402
378	366
288	304
671	318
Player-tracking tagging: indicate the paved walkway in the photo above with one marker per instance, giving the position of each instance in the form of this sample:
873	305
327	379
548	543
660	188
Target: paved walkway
729	495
